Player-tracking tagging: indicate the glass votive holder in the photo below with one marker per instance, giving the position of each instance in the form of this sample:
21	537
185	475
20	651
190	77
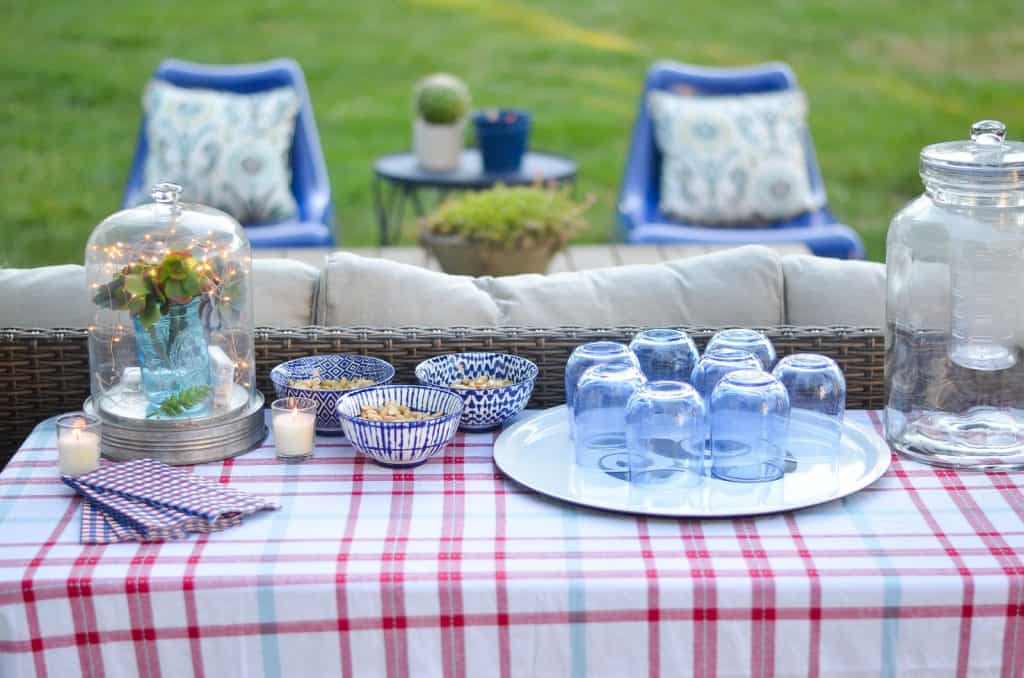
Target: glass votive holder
599	415
665	355
715	364
583	358
294	421
665	432
749	412
78	443
750	341
817	403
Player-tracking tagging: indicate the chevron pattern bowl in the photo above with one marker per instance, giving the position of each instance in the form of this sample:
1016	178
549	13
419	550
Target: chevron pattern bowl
400	443
330	367
486	408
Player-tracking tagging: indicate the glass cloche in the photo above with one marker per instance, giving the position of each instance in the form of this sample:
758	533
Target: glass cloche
955	308
172	332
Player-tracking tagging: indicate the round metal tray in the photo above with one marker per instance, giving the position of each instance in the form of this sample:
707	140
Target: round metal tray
188	441
536	452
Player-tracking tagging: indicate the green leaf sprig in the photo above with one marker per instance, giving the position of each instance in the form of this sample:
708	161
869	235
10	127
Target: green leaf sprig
182	401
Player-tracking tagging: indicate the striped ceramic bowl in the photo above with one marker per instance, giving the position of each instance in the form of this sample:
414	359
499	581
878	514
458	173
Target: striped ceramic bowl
400	443
486	408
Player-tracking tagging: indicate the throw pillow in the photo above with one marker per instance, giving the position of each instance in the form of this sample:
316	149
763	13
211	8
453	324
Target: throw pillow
226	150
733	160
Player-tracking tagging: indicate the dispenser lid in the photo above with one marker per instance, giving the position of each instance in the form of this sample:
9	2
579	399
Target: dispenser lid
987	160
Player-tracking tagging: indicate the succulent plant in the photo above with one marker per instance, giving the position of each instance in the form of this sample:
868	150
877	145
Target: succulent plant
504	215
442	99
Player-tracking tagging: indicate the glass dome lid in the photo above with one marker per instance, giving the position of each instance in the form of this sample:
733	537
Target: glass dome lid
986	164
172	332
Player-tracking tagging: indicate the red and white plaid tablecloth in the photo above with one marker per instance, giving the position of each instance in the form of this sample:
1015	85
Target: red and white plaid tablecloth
449	570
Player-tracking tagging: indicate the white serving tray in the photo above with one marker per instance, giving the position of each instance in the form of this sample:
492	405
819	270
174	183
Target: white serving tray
535	452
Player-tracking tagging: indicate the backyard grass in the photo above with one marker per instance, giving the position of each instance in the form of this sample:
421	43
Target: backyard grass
883	78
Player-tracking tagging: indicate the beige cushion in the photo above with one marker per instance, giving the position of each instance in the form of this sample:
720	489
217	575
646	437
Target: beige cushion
736	287
49	296
362	292
740	287
823	291
284	292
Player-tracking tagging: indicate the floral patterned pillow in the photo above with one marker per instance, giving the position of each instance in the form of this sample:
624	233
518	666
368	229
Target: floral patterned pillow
733	160
226	150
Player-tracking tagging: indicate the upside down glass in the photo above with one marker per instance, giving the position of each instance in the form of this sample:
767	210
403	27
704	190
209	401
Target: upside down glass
718	362
751	341
665	432
817	402
749	412
665	355
599	415
583	358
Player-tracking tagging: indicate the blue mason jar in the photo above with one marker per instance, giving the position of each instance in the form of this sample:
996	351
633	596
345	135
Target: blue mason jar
173	354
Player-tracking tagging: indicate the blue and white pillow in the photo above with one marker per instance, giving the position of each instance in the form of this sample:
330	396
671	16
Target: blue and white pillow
226	150
733	160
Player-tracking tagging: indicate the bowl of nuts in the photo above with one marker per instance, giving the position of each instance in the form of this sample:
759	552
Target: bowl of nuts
400	426
495	386
324	377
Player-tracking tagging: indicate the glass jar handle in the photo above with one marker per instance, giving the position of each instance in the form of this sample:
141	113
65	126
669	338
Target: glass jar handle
988	132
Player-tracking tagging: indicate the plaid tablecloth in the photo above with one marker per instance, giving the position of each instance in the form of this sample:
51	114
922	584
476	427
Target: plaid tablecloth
449	570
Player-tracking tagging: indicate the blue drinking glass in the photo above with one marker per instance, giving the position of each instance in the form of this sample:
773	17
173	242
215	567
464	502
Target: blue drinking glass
586	356
751	341
599	415
749	412
665	432
715	364
665	355
817	402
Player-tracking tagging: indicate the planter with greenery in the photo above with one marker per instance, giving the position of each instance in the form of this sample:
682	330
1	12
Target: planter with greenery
503	231
442	102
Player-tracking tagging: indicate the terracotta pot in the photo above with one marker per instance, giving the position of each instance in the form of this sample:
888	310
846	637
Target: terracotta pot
462	256
438	147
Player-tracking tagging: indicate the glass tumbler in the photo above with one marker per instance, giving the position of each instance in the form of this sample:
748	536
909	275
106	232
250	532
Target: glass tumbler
817	401
583	358
665	435
715	364
665	355
749	412
751	341
599	415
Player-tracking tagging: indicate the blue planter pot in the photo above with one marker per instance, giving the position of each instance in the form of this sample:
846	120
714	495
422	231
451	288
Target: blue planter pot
503	136
173	354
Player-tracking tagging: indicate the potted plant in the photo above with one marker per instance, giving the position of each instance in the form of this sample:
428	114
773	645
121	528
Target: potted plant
503	136
502	231
442	102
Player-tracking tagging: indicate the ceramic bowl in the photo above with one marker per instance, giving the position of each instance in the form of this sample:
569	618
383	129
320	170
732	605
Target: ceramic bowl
330	367
400	443
486	408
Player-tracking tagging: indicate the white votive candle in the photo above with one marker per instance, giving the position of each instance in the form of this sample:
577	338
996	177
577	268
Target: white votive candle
294	428
78	443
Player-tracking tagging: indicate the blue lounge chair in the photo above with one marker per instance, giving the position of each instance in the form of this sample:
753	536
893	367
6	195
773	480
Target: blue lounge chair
638	201
314	224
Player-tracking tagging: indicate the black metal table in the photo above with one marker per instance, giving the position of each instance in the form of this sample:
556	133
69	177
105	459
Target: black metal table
398	179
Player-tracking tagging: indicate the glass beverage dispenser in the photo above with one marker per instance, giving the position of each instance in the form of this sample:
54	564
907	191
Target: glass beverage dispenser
954	365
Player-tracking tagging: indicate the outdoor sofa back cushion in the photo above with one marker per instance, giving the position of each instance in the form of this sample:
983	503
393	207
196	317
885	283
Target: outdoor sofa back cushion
733	160
736	287
55	296
227	150
822	291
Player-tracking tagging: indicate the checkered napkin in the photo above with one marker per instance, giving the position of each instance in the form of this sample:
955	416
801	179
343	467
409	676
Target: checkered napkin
145	500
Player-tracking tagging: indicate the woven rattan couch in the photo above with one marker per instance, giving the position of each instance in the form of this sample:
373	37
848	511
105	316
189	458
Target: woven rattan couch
45	372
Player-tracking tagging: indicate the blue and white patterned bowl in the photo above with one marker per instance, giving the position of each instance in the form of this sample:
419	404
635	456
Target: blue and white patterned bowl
331	367
486	408
400	443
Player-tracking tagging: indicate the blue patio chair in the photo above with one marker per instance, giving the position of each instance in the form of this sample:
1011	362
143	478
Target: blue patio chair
314	224
638	201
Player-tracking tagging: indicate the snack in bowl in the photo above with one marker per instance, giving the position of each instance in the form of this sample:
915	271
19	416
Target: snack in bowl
400	442
325	377
494	386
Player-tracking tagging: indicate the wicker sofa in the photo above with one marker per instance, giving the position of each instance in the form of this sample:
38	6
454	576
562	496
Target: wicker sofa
404	314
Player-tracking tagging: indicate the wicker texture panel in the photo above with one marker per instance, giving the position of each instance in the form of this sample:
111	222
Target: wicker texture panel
46	372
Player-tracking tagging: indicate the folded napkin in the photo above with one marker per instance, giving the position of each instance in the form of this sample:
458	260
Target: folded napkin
146	500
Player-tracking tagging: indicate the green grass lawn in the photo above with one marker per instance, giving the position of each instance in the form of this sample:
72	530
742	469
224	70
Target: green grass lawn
883	78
